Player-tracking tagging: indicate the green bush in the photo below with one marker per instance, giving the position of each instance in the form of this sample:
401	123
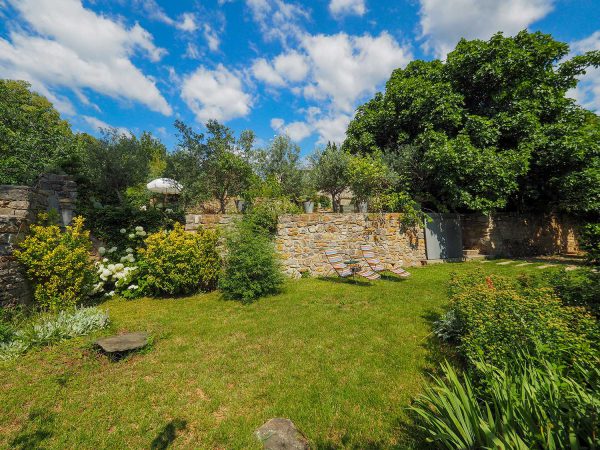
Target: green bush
251	267
488	315
58	263
177	262
523	406
590	242
263	216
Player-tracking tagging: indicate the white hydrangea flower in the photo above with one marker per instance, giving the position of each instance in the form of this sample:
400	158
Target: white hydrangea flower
143	208
138	228
101	251
105	260
131	235
168	210
132	287
119	267
123	230
112	250
128	250
141	233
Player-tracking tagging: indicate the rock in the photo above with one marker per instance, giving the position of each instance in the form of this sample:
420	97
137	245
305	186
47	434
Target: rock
123	342
281	434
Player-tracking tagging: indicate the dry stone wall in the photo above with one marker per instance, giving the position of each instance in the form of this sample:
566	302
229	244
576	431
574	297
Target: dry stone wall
514	235
302	239
19	207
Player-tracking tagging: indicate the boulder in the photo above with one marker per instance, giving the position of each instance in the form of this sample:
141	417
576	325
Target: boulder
281	434
123	342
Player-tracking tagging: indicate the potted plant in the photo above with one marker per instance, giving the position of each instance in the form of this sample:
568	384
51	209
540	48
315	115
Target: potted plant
240	205
368	176
308	192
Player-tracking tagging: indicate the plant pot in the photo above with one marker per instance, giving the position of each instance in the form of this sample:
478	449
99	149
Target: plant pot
240	205
362	207
309	206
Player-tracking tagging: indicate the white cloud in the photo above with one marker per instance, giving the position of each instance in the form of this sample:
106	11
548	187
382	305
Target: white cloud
78	49
444	22
285	68
587	92
332	128
277	19
345	68
192	51
215	94
187	23
339	8
99	125
297	131
212	38
264	71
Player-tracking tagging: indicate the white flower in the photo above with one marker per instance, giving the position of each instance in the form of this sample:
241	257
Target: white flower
110	294
105	260
119	267
129	250
111	267
106	273
130	258
131	235
138	228
141	233
123	259
123	230
143	208
112	250
101	251
132	287
168	210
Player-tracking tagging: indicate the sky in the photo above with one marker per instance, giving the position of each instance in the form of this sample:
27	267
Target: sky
274	66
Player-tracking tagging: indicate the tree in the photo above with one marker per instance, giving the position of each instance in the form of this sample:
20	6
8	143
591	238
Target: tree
281	161
368	175
216	167
118	161
330	168
33	137
490	128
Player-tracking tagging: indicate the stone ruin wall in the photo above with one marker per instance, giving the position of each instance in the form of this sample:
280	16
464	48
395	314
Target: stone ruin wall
19	207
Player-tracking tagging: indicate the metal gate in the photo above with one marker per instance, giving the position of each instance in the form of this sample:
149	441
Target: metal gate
443	236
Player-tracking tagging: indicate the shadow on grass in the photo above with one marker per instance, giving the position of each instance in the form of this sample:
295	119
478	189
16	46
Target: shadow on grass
392	278
167	435
35	431
348	281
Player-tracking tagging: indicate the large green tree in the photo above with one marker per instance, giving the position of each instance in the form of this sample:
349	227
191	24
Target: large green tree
215	166
33	137
491	127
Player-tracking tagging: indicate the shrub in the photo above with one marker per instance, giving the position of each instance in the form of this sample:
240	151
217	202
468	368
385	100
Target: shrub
489	315
526	406
251	266
577	288
262	217
590	242
177	262
58	263
52	328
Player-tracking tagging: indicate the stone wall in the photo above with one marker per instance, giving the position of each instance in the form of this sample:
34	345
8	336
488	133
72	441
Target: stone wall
19	207
209	221
302	239
511	234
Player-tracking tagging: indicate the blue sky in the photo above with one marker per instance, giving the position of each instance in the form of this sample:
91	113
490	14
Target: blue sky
274	66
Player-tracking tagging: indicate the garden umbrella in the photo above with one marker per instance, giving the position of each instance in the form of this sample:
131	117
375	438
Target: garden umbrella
165	186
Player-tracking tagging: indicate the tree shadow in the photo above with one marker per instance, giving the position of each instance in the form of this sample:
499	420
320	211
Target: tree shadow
167	435
392	278
37	429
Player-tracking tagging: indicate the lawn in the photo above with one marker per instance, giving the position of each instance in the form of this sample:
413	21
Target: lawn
341	360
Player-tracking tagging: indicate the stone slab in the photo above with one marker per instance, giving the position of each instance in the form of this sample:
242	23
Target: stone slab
123	342
281	434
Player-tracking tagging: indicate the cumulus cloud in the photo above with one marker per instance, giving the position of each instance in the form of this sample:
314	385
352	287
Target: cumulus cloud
297	131
339	8
99	125
75	48
444	22
187	21
277	19
587	92
285	68
215	94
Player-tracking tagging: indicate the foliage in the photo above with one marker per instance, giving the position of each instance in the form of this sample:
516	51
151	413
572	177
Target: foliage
368	175
576	288
262	217
330	170
280	162
118	162
33	137
216	167
491	127
51	328
491	314
590	242
177	263
524	406
58	263
251	268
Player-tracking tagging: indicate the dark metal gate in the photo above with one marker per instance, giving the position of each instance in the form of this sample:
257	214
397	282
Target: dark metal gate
443	236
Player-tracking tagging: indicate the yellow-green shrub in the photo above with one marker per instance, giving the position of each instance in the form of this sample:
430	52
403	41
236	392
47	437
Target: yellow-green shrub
177	262
58	263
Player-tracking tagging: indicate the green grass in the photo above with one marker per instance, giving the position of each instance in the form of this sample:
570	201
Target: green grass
341	360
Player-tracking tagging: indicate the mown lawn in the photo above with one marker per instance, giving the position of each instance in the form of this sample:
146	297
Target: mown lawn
341	360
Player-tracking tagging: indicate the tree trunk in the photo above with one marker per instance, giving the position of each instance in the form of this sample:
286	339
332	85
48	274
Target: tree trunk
335	202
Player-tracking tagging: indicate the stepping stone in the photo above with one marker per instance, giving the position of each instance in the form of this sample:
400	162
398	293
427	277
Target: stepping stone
281	434
485	261
569	268
123	342
545	266
523	264
505	263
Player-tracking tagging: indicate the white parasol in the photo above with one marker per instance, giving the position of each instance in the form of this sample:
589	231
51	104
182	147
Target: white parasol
165	186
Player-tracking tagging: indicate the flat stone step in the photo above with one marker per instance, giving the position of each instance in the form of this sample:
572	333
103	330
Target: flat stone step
123	342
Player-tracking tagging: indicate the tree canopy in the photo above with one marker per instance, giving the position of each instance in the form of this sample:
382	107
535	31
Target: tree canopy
33	137
491	127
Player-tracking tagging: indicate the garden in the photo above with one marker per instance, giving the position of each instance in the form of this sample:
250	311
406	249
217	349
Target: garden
485	354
